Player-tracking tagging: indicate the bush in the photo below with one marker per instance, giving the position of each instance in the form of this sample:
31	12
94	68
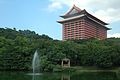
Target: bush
104	63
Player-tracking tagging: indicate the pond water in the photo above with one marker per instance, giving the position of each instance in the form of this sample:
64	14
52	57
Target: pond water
60	76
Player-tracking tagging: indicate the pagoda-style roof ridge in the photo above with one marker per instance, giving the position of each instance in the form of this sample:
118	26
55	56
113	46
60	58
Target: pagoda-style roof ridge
69	12
90	15
76	12
98	22
71	18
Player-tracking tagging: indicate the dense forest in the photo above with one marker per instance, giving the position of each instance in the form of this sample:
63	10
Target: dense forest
17	49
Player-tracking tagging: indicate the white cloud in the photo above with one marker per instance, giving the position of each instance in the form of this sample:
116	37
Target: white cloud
54	6
107	10
109	15
116	35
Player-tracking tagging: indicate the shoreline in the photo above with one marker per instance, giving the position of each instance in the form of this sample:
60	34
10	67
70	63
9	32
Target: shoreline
74	69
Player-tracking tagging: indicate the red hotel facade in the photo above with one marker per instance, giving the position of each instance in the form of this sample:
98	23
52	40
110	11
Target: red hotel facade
79	24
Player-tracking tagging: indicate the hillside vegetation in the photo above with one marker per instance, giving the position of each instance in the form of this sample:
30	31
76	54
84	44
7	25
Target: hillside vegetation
17	49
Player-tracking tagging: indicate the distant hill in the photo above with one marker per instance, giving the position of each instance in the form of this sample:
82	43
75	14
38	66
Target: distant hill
13	33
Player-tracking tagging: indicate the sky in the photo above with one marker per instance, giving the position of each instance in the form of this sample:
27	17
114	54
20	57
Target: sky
41	15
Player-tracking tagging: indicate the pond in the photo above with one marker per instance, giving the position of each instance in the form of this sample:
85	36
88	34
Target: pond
60	76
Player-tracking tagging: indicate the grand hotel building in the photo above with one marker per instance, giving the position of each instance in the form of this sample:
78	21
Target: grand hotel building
79	24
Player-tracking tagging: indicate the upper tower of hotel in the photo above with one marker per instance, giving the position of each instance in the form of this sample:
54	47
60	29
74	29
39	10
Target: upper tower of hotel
79	24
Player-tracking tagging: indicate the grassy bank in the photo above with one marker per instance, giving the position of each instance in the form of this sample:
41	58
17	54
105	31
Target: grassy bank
88	69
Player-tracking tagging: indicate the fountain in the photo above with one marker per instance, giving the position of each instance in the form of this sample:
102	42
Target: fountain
36	64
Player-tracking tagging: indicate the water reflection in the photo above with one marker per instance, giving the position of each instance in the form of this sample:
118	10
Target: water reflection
91	76
95	76
35	77
65	77
118	75
61	76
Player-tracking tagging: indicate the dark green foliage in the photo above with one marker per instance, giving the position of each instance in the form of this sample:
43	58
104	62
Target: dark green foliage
17	49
